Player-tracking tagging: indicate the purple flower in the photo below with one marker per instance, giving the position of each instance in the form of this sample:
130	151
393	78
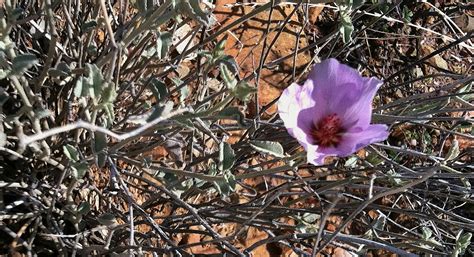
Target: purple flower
330	114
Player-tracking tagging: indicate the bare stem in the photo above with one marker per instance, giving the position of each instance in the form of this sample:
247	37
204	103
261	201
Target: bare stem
26	140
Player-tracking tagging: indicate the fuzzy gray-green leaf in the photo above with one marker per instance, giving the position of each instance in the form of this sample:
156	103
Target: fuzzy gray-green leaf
231	112
228	76
229	62
4	73
453	151
226	186
71	152
95	80
243	90
346	27
83	208
109	111
158	88
109	93
268	147
79	87
462	243
79	169
163	43
22	63
226	156
107	219
192	9
161	109
55	73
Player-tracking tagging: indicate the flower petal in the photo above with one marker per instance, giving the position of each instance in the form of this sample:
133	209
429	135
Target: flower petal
359	138
318	157
359	113
340	89
332	88
314	156
291	104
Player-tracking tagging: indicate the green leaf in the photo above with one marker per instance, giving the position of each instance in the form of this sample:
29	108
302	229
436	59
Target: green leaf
158	88
351	162
467	88
192	9
143	5
231	112
453	151
268	147
109	111
95	80
5	46
226	156
229	62
174	183
79	169
310	217
42	113
107	219
100	143
207	55
184	93
243	91
462	243
374	159
79	88
83	208
161	109
228	76
163	43
307	222
427	233
71	152
101	159
92	48
109	93
184	121
346	27
220	47
406	14
88	26
62	66
22	63
356	3
16	13
55	73
4	73
394	178
226	186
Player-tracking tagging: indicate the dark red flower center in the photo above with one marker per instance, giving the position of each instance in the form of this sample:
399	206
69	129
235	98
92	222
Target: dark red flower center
328	131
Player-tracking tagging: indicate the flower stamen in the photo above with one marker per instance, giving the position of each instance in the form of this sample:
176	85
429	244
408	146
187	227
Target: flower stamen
328	131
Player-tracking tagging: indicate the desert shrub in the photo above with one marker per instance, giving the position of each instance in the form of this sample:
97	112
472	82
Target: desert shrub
133	127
